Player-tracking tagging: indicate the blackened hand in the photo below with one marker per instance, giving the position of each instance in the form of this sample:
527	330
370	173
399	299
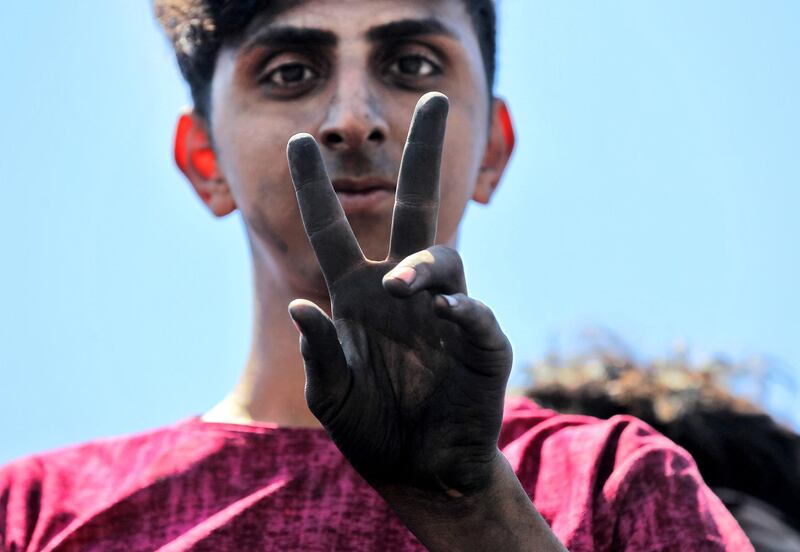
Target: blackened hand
409	377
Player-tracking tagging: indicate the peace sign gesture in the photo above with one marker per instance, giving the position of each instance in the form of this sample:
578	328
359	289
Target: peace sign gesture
409	377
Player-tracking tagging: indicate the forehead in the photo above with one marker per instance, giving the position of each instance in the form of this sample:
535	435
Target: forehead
354	19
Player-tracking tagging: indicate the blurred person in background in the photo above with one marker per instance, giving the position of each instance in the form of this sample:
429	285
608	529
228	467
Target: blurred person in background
748	459
388	428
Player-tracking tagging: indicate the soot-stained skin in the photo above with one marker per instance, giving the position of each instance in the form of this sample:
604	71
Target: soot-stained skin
408	379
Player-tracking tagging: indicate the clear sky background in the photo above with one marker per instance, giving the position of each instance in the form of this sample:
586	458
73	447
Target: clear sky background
655	193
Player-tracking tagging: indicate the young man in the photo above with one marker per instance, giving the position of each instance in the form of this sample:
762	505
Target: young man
386	430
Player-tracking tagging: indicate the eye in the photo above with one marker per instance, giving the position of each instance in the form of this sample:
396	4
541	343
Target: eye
413	66
290	75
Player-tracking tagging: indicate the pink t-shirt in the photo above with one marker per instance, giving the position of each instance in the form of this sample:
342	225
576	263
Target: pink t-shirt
611	485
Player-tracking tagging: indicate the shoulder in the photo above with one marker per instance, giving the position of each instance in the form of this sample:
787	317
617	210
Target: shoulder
550	444
613	442
528	426
42	493
94	457
615	481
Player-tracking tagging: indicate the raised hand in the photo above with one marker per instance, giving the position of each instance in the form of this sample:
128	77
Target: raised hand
410	375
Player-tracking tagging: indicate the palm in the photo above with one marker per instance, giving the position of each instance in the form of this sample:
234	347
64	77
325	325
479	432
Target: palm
394	383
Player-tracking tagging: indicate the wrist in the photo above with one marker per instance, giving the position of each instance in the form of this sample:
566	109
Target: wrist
447	502
499	516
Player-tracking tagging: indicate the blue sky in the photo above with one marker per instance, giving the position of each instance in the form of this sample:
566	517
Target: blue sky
654	192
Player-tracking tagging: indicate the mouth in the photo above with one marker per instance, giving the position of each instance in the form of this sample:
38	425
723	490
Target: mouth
363	196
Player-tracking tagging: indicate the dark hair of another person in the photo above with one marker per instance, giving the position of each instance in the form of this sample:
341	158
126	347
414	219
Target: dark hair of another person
198	28
735	444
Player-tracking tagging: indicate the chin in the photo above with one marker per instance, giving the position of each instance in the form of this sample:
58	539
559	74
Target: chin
373	236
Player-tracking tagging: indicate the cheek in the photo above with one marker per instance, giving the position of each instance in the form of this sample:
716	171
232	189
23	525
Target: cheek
253	161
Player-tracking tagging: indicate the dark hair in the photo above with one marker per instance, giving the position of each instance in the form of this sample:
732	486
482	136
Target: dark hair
197	29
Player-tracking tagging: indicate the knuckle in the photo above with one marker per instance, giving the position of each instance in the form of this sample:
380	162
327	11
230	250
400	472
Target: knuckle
485	312
473	310
445	252
448	257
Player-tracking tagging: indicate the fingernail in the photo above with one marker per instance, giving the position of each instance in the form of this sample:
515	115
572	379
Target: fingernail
452	302
406	274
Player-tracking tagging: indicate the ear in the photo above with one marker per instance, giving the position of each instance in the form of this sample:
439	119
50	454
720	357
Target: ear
196	159
498	151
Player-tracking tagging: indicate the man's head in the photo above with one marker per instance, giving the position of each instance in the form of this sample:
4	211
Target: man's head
348	72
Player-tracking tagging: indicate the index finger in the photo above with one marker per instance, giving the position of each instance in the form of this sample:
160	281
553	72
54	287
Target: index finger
416	207
326	225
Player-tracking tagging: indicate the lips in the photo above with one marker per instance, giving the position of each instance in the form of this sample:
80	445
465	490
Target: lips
362	196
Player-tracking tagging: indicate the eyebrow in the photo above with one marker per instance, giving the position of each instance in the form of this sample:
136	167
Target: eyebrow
408	28
290	37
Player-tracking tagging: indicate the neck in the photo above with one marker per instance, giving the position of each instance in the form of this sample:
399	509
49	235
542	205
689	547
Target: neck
271	386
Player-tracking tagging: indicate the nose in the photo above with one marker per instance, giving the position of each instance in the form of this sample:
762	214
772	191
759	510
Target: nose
354	119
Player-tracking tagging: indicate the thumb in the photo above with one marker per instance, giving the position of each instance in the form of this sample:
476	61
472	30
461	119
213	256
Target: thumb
327	373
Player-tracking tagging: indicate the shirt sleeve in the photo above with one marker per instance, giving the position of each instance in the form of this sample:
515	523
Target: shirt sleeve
656	500
20	500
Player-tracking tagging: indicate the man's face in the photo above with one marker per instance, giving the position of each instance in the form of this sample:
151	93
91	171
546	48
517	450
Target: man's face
348	72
